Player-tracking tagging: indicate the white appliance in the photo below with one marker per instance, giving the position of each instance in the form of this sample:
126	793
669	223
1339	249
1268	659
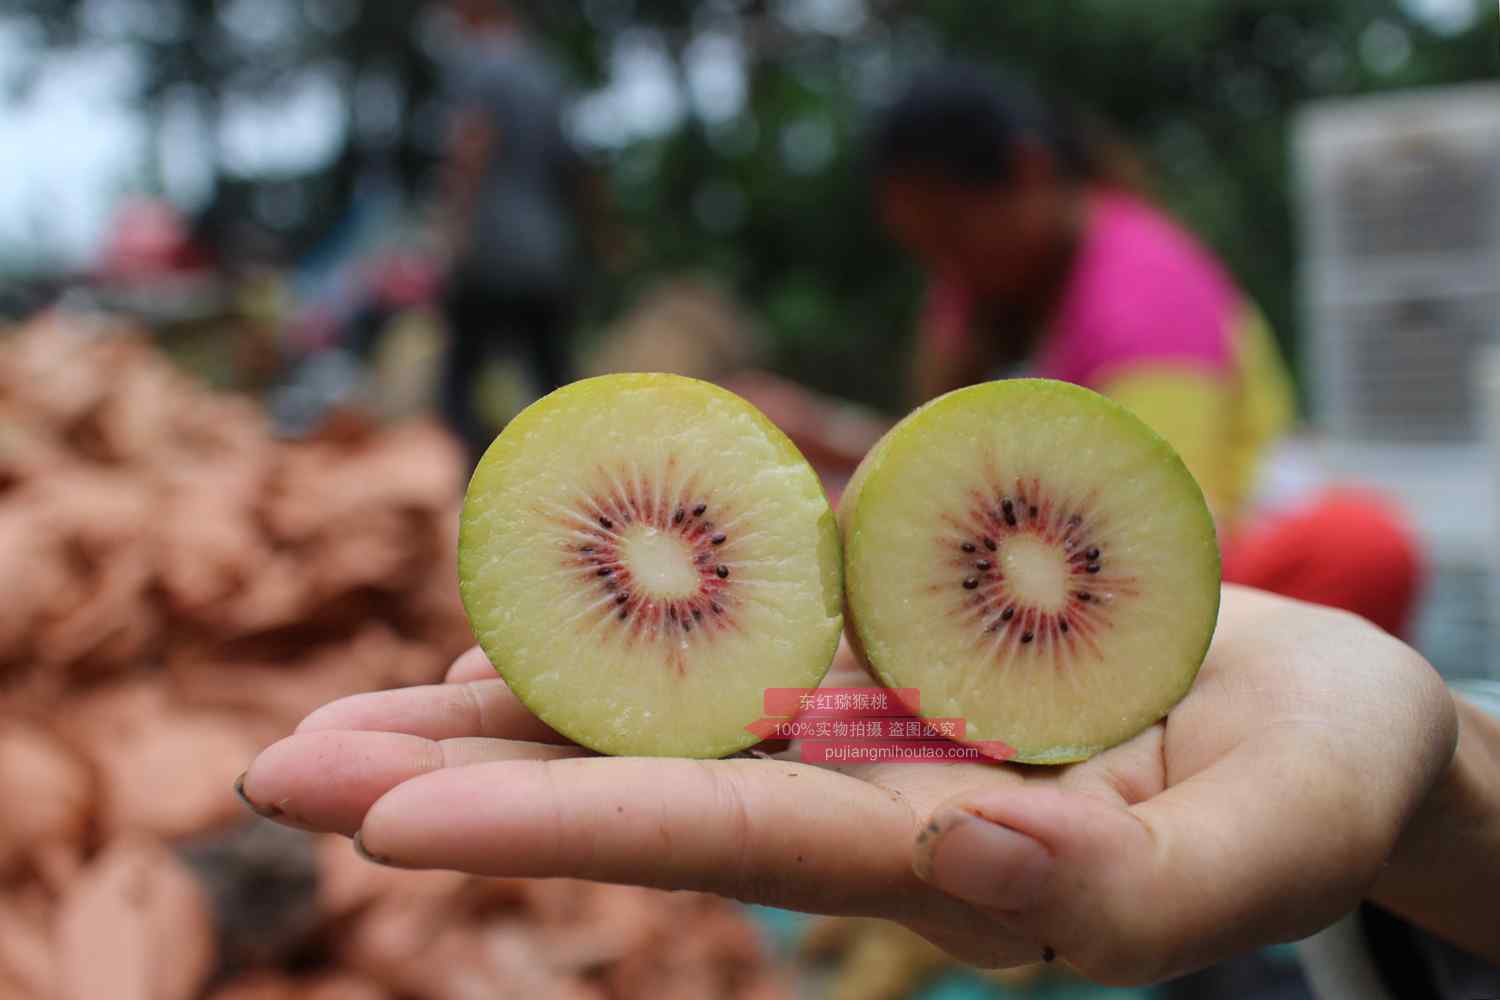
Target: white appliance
1398	200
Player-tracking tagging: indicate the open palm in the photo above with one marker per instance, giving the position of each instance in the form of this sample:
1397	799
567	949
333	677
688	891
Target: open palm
1260	810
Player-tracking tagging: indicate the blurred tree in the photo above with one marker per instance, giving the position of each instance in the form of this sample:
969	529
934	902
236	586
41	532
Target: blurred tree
729	128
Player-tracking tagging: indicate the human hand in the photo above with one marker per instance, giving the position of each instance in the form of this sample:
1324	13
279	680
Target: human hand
1260	810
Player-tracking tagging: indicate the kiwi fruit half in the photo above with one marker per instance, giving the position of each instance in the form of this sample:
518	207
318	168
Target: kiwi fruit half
642	556
1034	559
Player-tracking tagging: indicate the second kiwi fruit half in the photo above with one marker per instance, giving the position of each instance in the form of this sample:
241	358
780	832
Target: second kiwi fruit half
1034	559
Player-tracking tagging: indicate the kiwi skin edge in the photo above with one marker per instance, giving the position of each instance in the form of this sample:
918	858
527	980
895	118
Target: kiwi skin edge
849	529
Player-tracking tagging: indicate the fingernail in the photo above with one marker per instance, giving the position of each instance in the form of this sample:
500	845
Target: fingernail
268	812
983	862
370	856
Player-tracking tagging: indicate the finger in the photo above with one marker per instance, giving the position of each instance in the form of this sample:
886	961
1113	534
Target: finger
437	712
328	780
764	831
473	665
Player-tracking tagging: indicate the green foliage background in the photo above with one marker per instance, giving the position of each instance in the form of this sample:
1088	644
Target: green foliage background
1207	91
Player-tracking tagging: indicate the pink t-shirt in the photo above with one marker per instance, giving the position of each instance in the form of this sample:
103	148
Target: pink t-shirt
1142	291
1148	316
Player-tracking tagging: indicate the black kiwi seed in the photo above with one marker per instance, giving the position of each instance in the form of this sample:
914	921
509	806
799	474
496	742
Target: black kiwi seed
1092	568
678	516
1027	637
971	583
983	565
1010	515
605	522
1062	626
698	510
1007	614
966	546
687	626
723	572
1034	511
719	539
697	615
624	614
1091	555
1008	506
672	612
605	571
621	598
989	543
715	609
1084	596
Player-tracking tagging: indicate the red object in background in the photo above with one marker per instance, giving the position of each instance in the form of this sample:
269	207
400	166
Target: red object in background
1346	549
150	239
401	280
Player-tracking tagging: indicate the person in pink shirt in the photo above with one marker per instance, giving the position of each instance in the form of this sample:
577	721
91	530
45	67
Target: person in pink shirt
1044	259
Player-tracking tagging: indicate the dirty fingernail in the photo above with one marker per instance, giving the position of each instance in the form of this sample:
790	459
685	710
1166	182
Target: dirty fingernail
371	856
983	862
268	812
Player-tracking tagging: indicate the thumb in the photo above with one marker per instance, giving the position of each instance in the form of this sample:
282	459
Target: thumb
1130	896
1021	855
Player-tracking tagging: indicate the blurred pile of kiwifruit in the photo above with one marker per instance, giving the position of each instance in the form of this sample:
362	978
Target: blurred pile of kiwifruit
178	587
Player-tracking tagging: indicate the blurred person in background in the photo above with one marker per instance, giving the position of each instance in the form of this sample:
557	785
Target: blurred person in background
1044	259
512	194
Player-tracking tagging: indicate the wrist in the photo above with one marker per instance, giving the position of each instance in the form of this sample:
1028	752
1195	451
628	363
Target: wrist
1444	875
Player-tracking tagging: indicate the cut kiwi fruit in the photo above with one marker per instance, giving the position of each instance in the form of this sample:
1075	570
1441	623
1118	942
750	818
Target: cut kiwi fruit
1031	557
642	556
